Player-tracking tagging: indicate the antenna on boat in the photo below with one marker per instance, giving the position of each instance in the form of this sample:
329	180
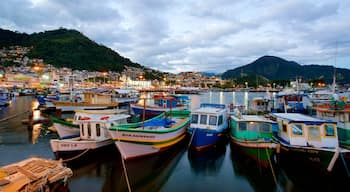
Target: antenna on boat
334	68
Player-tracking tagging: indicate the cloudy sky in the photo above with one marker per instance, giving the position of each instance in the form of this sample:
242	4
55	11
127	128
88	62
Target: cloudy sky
192	35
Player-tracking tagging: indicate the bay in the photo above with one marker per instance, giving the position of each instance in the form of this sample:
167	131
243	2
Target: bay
179	169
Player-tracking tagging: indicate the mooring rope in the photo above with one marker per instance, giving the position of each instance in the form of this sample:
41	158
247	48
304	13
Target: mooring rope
124	166
194	131
75	157
273	172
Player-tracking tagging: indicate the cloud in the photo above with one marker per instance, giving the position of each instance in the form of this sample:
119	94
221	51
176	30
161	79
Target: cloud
175	36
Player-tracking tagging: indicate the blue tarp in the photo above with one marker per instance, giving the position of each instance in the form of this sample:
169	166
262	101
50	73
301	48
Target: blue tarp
165	122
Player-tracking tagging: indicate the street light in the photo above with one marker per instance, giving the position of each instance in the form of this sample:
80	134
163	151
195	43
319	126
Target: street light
246	84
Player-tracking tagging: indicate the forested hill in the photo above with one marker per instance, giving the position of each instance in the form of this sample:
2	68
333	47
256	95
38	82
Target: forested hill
275	68
67	48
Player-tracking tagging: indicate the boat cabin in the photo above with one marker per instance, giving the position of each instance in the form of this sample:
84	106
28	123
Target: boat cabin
302	130
97	129
252	127
209	116
171	101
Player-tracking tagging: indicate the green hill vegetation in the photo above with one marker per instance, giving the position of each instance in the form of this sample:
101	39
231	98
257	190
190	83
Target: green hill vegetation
67	48
274	69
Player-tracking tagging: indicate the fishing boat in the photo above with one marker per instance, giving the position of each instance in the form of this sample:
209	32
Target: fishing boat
151	136
93	136
161	103
68	128
125	97
91	100
338	111
33	174
253	135
309	140
208	124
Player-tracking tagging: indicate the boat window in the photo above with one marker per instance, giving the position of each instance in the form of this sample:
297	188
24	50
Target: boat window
203	120
265	127
329	130
297	129
314	133
194	118
253	126
98	130
242	126
221	120
212	120
82	129
89	129
284	127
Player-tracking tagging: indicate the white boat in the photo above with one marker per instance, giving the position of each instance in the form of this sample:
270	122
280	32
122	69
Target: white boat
310	141
68	128
93	135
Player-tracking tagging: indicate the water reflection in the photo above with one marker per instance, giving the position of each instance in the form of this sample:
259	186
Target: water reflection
209	161
147	174
246	100
260	178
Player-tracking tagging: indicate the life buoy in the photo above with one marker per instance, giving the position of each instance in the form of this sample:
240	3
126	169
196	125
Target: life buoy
104	118
84	118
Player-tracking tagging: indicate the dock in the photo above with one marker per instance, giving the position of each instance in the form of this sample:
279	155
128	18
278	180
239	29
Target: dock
33	174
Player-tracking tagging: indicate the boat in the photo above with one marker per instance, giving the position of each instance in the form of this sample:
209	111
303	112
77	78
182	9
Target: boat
161	103
5	97
292	102
125	97
253	135
91	100
260	105
310	140
33	174
338	111
93	136
68	128
151	136
208	124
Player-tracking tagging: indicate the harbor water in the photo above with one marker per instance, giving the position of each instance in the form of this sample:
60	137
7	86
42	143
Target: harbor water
222	168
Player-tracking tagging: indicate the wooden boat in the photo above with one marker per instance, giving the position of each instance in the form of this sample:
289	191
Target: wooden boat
151	136
290	101
94	136
253	135
208	124
92	100
68	128
161	104
338	111
33	174
310	140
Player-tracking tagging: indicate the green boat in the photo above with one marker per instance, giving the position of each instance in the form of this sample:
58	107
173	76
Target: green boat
253	135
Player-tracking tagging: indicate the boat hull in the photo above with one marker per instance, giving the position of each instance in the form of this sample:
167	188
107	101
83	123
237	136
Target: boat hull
204	138
74	149
260	151
66	131
321	159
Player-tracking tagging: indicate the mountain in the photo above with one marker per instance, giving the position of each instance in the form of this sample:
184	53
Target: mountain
275	68
67	48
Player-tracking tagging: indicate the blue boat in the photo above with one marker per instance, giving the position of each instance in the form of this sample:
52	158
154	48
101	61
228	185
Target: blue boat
208	123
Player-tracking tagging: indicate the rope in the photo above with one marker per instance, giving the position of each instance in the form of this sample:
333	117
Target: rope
75	157
194	131
272	171
124	166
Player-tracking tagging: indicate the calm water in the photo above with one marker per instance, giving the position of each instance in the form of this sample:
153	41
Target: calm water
219	169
